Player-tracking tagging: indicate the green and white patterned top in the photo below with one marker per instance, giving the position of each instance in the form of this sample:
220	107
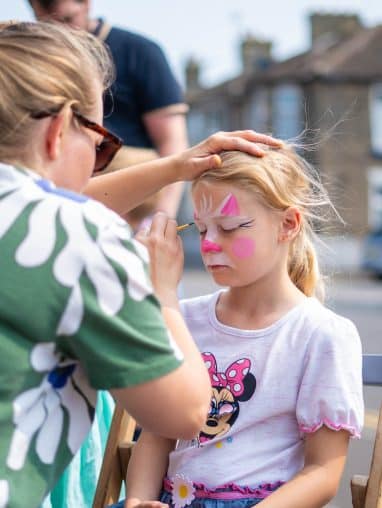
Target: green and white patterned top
77	314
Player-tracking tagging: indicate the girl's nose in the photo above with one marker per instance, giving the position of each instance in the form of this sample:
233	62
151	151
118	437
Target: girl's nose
208	246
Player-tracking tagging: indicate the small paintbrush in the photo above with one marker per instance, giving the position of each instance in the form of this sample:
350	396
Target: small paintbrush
184	226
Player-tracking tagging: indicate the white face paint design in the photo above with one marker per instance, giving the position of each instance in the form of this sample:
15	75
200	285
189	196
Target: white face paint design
225	216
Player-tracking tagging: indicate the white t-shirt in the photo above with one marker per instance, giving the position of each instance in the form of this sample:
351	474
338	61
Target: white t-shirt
270	387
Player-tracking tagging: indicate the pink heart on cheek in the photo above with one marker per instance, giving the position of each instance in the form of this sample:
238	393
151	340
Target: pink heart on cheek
243	247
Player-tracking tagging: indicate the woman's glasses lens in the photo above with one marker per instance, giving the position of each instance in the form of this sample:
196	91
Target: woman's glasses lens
109	146
104	154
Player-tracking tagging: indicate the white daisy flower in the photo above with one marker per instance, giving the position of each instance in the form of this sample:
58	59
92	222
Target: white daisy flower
183	491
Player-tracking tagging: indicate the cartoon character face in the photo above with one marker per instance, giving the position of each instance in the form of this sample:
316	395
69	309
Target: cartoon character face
237	384
223	412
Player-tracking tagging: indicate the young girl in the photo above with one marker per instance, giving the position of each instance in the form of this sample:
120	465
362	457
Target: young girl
285	370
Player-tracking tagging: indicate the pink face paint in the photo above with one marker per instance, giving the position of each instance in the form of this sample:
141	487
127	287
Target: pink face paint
230	206
243	247
207	247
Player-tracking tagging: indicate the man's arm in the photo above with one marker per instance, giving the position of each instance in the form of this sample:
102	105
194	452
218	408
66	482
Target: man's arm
168	130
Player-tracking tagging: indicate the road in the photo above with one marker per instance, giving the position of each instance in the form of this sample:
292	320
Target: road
359	299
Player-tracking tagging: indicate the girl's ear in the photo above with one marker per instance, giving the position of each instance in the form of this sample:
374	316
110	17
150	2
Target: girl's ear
54	134
290	224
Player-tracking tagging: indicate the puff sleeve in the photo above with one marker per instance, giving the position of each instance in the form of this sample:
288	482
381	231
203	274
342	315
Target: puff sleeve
330	392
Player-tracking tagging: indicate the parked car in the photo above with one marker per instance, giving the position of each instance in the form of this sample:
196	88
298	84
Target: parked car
372	253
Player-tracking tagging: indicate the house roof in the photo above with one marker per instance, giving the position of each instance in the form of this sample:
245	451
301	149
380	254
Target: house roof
357	59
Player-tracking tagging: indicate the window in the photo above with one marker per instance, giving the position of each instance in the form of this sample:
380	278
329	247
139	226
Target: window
258	111
203	124
375	197
375	106
213	121
287	101
195	124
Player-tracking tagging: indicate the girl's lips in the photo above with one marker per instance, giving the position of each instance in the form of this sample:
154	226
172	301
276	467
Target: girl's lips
217	261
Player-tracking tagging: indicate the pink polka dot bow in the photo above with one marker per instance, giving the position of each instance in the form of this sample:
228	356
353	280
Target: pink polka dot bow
232	378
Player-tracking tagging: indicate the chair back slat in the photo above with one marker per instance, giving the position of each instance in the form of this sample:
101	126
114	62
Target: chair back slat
374	486
372	370
367	491
112	472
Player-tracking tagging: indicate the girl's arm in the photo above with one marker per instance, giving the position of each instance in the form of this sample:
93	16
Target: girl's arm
147	468
123	190
317	483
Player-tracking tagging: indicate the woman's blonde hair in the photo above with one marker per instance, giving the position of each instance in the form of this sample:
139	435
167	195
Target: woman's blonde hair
44	67
279	180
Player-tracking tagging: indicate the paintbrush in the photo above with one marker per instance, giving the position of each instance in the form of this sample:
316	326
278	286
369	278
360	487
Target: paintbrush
184	226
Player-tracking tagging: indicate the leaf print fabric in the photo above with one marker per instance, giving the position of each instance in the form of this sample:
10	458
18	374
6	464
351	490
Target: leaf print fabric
40	410
81	252
77	315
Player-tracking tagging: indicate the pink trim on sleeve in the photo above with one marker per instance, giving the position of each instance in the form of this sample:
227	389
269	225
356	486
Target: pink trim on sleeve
309	429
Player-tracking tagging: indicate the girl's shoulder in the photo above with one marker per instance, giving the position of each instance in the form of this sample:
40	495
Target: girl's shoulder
329	327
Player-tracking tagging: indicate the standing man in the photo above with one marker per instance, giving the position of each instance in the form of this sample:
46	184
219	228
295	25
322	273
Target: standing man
145	107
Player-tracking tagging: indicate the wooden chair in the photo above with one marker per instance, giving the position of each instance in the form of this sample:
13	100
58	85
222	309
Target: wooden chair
366	491
115	460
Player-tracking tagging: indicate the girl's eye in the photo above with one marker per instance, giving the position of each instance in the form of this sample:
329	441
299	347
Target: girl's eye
228	230
231	229
247	224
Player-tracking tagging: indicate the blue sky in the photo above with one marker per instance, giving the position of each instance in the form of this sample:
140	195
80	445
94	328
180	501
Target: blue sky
210	29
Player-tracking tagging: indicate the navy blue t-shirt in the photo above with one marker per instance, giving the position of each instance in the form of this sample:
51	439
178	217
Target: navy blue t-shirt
144	82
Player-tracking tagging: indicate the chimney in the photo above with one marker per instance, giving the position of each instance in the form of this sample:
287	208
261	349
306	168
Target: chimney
255	54
192	71
334	26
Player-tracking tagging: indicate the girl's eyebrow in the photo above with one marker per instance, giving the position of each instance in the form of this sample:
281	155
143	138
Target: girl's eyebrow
238	219
226	219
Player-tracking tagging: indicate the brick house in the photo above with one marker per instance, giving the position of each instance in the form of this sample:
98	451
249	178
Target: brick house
334	87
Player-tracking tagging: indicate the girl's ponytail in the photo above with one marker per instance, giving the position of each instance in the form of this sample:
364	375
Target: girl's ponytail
303	266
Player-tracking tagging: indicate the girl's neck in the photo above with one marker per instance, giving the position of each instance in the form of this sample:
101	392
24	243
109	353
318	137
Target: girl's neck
260	304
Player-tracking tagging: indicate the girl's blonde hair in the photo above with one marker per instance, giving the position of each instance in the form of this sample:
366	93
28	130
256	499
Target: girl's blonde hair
282	179
44	67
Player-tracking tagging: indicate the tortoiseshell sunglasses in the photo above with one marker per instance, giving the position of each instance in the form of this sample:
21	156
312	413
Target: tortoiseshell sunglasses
106	150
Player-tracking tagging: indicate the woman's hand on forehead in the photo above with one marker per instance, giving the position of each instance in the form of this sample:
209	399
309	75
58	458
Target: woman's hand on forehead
204	156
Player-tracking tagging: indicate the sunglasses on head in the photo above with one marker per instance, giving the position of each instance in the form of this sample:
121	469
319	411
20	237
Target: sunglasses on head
106	150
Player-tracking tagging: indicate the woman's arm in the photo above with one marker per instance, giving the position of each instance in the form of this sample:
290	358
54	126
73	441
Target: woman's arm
147	468
317	483
154	403
125	189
